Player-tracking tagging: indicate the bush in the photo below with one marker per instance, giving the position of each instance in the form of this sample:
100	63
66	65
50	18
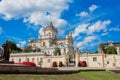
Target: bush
79	63
60	64
82	63
29	63
54	64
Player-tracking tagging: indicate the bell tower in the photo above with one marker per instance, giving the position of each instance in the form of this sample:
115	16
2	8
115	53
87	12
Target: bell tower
49	31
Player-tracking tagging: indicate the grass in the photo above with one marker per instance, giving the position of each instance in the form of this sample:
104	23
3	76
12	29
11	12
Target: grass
93	75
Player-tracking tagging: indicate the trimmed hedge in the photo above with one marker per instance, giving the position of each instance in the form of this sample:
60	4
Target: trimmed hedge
60	64
54	64
27	63
82	64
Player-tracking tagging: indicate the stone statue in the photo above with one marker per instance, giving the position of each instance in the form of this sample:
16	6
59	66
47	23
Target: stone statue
6	52
1	53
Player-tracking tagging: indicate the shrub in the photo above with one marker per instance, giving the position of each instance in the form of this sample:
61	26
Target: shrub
79	63
83	63
60	64
54	64
29	63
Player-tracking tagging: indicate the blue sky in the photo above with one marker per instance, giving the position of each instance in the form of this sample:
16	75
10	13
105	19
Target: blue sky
91	21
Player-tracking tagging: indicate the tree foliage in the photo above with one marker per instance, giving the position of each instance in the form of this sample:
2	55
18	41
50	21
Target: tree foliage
28	49
96	51
104	49
13	47
111	50
57	51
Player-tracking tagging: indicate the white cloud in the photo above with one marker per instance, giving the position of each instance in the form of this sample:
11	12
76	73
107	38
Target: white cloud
98	26
93	7
87	40
90	28
114	29
82	14
21	44
41	31
80	29
34	11
1	30
104	34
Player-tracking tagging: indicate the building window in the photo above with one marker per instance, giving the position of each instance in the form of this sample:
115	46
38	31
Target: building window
43	43
41	59
37	59
107	62
12	59
64	50
27	59
19	60
33	59
49	61
94	59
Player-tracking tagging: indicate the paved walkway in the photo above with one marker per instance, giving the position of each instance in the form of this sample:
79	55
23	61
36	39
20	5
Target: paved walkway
79	68
87	68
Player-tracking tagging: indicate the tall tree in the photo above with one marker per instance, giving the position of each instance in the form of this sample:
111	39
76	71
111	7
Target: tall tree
103	49
28	49
13	47
57	51
111	50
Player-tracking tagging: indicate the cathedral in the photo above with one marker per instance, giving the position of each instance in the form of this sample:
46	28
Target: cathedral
48	41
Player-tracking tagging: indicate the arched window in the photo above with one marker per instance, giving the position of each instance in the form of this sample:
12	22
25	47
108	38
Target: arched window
19	60
33	59
27	59
12	59
43	43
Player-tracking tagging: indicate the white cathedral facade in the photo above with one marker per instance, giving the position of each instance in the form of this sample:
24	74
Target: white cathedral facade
48	41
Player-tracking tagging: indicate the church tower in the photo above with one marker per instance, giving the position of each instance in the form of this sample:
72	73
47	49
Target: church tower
49	31
69	39
49	34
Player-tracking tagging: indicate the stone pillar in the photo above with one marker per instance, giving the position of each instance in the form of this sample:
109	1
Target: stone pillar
77	58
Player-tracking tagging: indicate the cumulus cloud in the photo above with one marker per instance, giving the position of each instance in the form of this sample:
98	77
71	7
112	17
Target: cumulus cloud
82	14
1	30
85	41
80	29
41	32
21	44
93	7
34	11
98	26
90	28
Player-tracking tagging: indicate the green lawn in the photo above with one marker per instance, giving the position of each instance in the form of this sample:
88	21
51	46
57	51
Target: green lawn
93	75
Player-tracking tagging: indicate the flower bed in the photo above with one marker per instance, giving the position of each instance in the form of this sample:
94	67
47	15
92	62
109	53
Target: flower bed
82	64
27	63
54	64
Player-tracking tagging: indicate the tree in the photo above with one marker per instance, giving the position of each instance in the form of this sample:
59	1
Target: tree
103	49
111	50
38	49
57	51
13	47
28	49
96	51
